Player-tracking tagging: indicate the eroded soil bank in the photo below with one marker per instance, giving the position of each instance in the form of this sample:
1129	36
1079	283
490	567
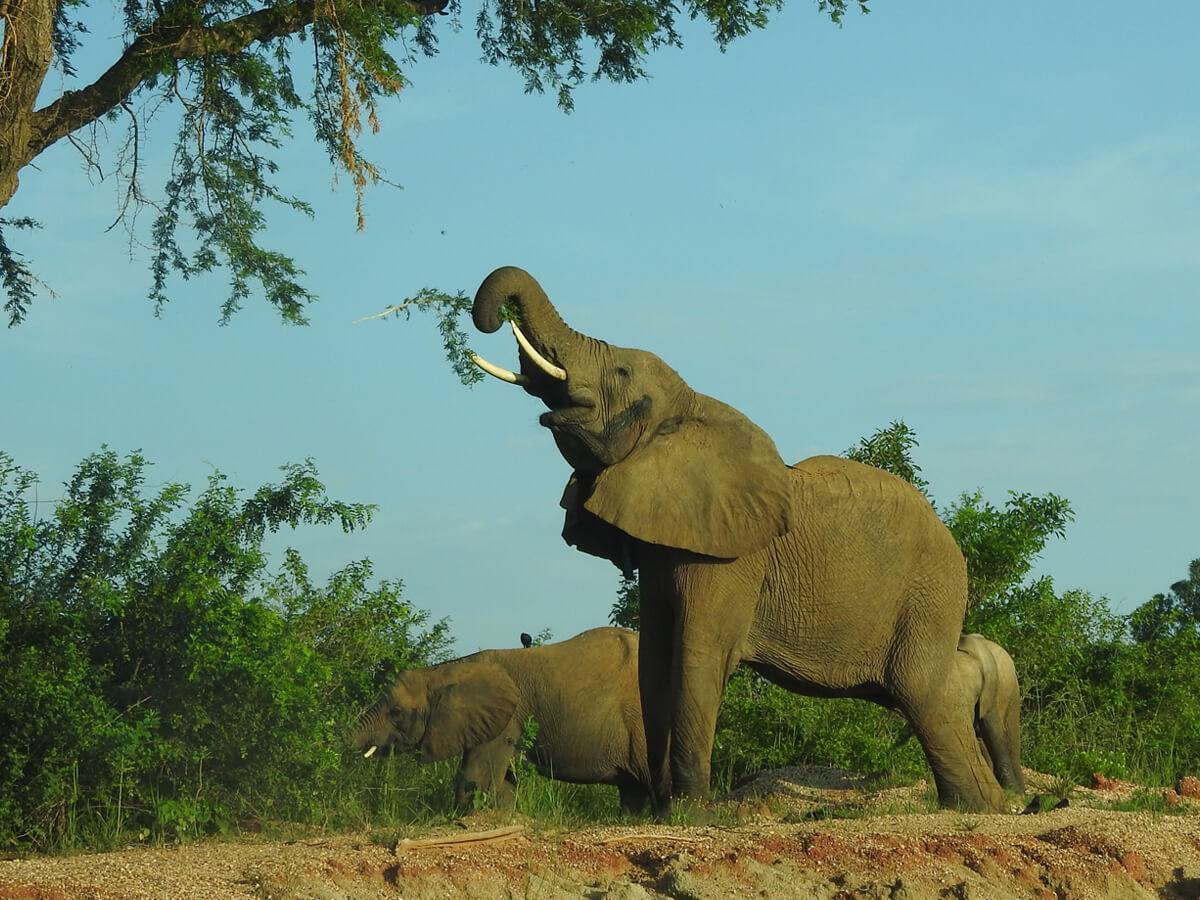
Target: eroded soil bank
776	847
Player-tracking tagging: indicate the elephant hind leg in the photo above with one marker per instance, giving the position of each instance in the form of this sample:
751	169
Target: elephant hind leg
1005	750
964	778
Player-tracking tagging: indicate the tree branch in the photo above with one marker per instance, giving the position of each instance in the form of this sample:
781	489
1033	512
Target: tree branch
174	36
167	38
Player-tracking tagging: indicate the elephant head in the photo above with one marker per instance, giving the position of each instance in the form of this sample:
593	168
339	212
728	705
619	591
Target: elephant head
652	458
442	711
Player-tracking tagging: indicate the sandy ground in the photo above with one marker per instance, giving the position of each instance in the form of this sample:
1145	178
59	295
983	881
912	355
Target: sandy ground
778	838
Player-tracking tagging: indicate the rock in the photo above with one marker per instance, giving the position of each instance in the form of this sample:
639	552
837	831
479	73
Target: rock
1103	783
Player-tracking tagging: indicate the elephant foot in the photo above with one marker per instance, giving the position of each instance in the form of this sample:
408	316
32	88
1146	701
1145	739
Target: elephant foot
987	799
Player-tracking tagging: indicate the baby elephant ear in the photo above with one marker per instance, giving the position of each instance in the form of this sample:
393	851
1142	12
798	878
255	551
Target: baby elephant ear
470	707
711	482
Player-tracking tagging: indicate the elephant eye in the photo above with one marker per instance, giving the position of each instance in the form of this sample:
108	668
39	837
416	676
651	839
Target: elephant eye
622	371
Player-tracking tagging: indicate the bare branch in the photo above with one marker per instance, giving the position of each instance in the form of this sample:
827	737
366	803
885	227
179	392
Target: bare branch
414	301
474	837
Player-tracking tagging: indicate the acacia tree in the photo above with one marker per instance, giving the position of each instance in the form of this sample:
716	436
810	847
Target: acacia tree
227	67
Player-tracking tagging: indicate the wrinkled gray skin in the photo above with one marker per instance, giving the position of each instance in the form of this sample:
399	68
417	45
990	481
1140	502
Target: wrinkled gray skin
987	681
582	692
829	577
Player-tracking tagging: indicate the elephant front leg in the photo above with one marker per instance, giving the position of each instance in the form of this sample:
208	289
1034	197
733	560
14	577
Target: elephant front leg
654	673
714	605
694	730
485	769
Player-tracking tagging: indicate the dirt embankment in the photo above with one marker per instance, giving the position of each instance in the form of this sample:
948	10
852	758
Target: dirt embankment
777	844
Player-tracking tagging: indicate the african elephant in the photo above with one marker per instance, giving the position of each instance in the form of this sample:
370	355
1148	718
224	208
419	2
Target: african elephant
581	692
987	679
829	577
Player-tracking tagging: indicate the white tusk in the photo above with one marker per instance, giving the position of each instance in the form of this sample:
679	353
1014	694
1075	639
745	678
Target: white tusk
369	752
502	374
542	363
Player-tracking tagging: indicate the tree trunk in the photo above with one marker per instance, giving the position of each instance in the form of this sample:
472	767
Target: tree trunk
26	48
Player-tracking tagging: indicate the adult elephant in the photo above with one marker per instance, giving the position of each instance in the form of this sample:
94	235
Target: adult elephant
829	577
581	692
987	681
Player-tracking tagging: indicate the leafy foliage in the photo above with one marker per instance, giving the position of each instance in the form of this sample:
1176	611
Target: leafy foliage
157	682
1175	614
18	281
763	726
890	449
1095	700
1001	545
627	609
225	71
160	683
449	308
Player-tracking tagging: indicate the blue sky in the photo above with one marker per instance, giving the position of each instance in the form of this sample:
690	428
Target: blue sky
983	219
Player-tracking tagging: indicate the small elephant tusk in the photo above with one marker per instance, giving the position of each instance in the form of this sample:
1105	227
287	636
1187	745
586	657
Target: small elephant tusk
502	374
369	752
542	363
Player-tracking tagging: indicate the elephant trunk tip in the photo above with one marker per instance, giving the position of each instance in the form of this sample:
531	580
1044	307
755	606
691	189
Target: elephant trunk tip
506	284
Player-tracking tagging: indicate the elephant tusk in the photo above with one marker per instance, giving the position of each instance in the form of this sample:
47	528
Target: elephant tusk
542	363
369	752
502	374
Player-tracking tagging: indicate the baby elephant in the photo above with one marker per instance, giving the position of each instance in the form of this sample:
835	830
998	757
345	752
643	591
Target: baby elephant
987	679
581	692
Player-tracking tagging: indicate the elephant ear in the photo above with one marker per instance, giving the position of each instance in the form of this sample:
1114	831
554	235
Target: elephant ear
586	531
711	482
470	708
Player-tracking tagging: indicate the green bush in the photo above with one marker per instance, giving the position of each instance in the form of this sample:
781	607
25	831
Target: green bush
763	726
1096	701
161	683
158	682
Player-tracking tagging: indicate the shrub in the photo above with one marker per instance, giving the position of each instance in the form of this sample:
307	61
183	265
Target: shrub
157	681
